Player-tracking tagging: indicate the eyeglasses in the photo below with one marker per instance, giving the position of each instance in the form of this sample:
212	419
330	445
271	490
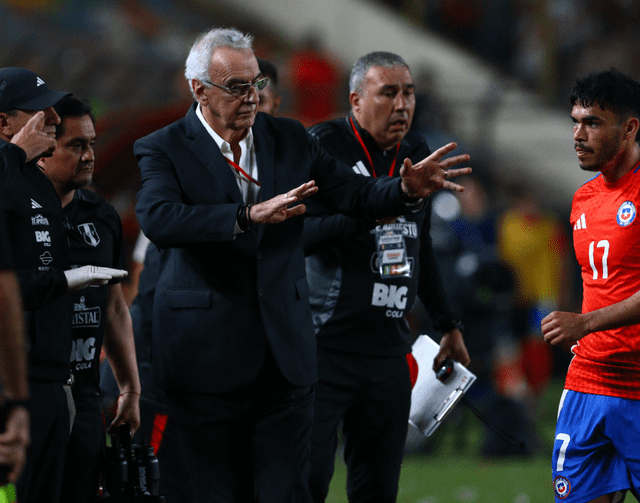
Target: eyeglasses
242	89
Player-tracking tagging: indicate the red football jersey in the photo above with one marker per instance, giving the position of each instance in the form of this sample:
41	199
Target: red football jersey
606	239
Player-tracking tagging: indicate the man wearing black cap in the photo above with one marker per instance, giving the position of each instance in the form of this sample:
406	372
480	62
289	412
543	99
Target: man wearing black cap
34	219
27	119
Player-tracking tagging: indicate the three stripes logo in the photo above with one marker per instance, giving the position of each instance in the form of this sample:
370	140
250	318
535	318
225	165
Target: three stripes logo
581	223
360	169
35	205
39	82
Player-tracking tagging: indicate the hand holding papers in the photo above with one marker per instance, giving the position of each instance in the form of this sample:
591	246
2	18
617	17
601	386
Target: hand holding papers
432	399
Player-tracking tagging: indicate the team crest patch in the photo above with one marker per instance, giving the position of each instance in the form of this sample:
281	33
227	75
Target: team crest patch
562	487
626	214
89	233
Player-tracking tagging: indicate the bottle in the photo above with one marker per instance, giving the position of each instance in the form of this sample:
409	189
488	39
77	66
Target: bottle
117	473
148	469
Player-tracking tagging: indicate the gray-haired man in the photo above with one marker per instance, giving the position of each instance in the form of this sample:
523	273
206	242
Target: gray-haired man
364	278
233	340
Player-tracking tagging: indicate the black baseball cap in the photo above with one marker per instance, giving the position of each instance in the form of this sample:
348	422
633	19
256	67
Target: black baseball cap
23	89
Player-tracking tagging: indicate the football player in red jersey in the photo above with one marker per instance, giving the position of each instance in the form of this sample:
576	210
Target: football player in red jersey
595	456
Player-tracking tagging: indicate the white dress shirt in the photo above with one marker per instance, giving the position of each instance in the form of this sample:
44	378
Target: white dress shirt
250	191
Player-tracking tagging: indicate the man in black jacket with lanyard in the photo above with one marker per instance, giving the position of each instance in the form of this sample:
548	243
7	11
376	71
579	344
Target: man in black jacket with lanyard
364	278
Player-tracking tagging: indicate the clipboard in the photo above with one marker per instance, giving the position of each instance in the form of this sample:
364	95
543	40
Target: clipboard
431	399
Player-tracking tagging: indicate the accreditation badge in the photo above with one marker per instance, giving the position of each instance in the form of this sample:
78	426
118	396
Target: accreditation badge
392	254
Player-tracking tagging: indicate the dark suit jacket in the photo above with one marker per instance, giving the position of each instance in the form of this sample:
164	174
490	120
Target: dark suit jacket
221	300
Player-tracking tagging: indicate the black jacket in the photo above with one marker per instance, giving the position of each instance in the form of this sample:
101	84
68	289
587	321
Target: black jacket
222	301
12	161
354	309
95	238
39	245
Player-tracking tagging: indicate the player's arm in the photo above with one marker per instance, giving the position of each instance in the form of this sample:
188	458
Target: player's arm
121	352
13	375
13	363
562	327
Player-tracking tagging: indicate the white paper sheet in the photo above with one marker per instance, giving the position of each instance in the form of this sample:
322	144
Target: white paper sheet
431	399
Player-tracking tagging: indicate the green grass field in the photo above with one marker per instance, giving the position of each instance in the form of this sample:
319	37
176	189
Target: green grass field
447	475
468	479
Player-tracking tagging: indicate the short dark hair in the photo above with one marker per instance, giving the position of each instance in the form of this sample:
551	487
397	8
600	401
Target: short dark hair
363	64
268	69
610	90
71	107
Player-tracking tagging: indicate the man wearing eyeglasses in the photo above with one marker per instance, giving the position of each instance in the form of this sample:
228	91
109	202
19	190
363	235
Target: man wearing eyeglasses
233	342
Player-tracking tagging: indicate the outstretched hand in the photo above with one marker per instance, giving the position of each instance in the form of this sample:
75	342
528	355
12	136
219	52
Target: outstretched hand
277	209
82	277
432	173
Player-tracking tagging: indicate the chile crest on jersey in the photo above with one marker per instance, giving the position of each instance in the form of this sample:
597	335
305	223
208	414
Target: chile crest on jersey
626	214
562	487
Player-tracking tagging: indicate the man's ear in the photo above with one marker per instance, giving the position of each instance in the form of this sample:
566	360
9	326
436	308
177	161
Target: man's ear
198	89
5	126
354	100
631	129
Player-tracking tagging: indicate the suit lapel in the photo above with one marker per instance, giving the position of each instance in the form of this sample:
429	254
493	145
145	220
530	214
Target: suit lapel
205	148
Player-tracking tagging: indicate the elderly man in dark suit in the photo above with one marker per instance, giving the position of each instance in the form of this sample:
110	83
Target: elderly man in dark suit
233	341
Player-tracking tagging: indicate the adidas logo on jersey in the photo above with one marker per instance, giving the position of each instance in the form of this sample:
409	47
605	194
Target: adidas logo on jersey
35	205
360	169
581	223
39	82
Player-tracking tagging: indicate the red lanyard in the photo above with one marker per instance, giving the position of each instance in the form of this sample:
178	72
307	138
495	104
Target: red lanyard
366	151
242	171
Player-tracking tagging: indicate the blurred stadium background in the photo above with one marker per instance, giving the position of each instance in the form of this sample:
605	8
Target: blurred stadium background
493	75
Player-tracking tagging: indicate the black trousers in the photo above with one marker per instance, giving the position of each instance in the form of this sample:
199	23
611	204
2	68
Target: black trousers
85	455
250	444
371	396
41	479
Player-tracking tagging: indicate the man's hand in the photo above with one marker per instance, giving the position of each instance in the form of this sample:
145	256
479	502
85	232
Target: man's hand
128	411
14	442
432	173
562	328
86	275
276	209
35	138
452	346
